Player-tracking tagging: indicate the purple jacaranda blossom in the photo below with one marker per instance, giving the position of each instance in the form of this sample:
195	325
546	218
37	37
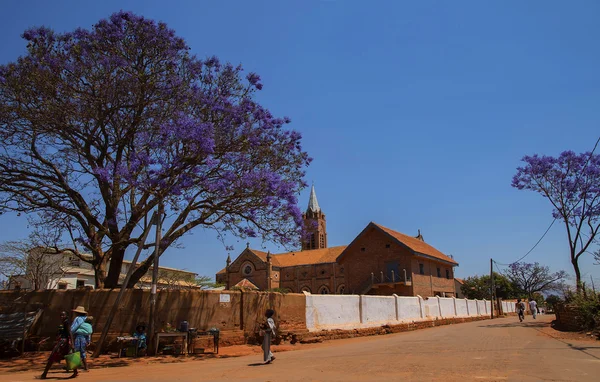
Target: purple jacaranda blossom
102	124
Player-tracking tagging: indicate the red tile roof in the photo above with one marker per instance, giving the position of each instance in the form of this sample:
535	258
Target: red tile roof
246	284
460	281
307	257
416	245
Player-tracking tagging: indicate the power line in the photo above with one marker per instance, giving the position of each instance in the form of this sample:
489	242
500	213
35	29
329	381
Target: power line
498	268
532	248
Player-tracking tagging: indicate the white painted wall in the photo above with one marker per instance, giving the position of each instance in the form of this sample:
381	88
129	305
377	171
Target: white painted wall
447	306
431	307
473	311
353	311
378	309
332	311
462	309
409	308
482	307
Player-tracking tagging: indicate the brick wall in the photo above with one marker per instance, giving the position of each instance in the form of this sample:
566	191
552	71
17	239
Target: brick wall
371	252
313	278
566	317
258	274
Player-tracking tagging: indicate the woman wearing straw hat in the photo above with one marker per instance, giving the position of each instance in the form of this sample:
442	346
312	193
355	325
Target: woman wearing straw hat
79	340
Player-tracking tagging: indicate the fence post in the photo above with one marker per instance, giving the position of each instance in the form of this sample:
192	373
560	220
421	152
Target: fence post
467	302
382	279
477	305
397	307
439	305
485	306
393	276
455	310
421	305
360	308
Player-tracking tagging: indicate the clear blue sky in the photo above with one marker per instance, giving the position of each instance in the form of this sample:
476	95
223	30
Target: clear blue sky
416	113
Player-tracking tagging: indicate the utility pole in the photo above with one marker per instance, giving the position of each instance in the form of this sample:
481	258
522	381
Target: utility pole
492	285
152	321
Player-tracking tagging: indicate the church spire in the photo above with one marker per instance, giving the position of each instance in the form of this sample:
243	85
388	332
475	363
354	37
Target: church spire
313	204
315	226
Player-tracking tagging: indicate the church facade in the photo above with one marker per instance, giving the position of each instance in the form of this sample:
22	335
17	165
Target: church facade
379	261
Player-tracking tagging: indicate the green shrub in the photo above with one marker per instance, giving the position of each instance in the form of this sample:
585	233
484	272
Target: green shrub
588	305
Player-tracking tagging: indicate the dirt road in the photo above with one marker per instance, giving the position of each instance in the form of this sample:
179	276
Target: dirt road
502	349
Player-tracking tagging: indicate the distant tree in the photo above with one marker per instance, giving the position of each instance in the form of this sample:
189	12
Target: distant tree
552	300
98	127
38	259
530	279
571	183
478	287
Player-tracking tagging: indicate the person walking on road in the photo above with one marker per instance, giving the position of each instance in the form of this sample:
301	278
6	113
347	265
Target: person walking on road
268	331
533	307
63	344
520	308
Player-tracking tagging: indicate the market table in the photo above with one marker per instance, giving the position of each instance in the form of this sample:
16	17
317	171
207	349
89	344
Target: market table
173	334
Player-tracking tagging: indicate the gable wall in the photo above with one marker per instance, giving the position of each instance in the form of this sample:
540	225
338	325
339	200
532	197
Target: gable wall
359	264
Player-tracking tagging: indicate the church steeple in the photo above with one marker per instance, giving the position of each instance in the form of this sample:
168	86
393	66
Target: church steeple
315	226
313	204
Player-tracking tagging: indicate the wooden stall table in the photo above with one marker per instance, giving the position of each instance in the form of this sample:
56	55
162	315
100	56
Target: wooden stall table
173	334
207	333
127	340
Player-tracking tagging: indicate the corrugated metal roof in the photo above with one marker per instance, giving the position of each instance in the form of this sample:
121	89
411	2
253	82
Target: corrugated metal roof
12	325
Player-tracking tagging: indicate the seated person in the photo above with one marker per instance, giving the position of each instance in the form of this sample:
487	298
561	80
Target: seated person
140	334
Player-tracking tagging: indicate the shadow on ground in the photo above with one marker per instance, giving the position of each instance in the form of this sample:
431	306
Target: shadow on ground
37	360
516	324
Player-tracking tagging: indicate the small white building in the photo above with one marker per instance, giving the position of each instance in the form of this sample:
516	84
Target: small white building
66	271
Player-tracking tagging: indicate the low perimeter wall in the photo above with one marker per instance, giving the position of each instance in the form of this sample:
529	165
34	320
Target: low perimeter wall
326	312
225	310
238	314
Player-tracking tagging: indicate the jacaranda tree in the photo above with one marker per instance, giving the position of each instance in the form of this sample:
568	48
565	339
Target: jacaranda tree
530	279
571	183
99	126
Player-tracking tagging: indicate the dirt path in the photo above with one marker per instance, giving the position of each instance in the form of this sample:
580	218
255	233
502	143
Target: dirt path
497	350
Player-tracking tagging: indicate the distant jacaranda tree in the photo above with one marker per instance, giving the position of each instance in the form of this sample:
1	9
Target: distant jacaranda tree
571	183
98	126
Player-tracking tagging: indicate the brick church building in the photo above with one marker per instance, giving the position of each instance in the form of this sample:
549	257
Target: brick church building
379	261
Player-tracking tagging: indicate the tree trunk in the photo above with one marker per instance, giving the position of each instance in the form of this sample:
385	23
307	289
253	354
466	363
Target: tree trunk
114	271
100	274
577	273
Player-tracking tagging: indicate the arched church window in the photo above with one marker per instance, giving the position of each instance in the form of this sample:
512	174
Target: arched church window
312	240
305	289
322	241
341	289
323	290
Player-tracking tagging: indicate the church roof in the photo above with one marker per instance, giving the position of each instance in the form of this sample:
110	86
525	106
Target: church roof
416	245
313	204
307	257
246	284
